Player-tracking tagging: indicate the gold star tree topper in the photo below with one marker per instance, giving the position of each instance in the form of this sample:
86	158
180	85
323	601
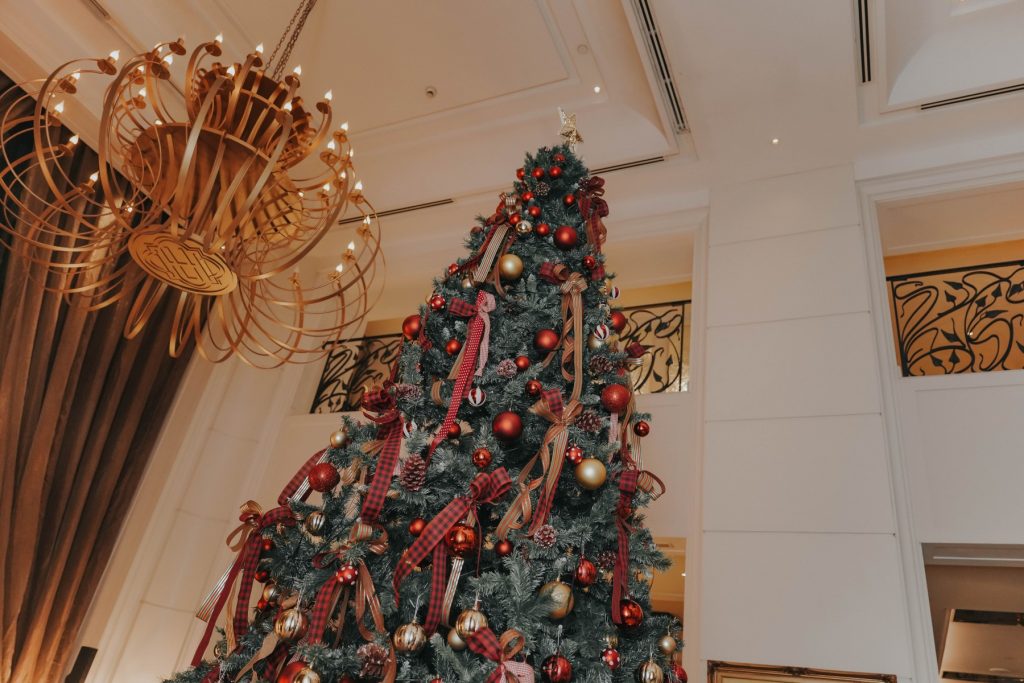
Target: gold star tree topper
568	131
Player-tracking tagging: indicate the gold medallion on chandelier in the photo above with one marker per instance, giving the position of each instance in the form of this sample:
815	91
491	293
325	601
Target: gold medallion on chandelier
181	264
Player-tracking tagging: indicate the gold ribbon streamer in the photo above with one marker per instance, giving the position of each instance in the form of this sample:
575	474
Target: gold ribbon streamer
571	341
250	514
366	601
550	455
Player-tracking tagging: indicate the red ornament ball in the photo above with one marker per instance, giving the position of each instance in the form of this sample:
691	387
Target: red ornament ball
631	613
611	659
520	173
534	211
679	672
589	262
412	325
262	604
482	458
566	237
569	199
642	428
574	454
533	387
454	431
546	340
526	196
437	302
557	669
507	426
503	548
290	672
461	539
586	572
323	477
618	320
453	268
347	575
522	362
559	158
453	346
515	218
542	230
615	398
555	172
417	525
267	544
262	575
537	172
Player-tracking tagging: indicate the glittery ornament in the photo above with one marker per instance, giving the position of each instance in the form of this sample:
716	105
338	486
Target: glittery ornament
507	369
542	189
408	391
545	536
414	473
606	559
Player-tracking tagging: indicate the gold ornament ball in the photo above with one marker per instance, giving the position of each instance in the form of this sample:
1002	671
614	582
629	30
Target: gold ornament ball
650	672
591	474
561	597
469	622
271	592
595	344
467	283
612	639
339	437
511	267
524	227
667	644
315	522
410	637
455	642
307	675
291	624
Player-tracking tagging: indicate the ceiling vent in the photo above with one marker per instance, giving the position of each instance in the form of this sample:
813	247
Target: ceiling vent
864	35
628	164
659	62
970	97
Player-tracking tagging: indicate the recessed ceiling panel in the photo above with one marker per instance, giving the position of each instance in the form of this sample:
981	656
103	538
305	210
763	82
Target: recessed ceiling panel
380	58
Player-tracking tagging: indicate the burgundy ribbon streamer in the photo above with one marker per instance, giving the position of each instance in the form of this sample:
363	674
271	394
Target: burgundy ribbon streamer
593	208
484	304
486	487
620	580
379	406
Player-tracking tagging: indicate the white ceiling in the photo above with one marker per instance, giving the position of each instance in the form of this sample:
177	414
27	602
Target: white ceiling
747	72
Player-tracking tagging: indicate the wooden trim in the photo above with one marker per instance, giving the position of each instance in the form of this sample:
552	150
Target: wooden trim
718	670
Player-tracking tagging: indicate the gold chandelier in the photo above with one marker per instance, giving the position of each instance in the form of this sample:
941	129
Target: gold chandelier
211	198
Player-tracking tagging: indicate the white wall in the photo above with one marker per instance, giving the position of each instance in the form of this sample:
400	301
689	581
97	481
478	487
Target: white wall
801	563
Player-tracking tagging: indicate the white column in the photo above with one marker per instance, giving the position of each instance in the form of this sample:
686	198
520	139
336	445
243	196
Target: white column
800	559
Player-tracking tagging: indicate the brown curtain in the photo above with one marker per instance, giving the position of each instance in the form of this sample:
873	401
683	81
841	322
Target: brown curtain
80	409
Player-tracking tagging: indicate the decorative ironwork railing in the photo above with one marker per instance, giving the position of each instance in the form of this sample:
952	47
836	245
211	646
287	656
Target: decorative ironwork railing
959	319
662	328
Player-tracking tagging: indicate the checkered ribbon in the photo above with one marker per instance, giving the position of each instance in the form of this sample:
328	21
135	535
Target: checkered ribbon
485	643
629	481
379	406
572	286
553	273
486	487
551	456
593	208
245	564
498	222
298	487
477	340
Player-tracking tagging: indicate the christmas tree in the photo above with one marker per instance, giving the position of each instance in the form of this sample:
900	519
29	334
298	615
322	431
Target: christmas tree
504	540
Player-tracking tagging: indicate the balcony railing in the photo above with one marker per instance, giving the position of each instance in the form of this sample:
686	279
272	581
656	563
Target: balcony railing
959	320
663	328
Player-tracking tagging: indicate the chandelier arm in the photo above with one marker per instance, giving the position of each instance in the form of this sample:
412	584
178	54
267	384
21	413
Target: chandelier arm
182	325
146	299
250	59
214	238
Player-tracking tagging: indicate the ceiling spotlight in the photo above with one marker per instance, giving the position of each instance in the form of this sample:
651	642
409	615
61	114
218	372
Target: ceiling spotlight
775	141
597	88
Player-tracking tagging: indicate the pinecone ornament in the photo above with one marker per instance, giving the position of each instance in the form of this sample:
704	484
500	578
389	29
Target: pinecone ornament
414	473
373	659
408	391
606	560
507	369
542	189
545	536
600	365
589	421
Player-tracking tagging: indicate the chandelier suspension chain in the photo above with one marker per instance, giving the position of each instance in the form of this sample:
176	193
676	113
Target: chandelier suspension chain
291	33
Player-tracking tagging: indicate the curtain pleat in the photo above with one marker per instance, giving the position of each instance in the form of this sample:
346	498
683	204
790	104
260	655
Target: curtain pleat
80	410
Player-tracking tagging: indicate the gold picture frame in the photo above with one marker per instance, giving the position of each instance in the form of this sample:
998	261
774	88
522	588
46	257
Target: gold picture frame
720	672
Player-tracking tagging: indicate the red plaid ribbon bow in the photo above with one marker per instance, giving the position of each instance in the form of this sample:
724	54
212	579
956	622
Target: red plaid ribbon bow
379	406
245	564
553	273
629	481
477	341
485	643
552	449
593	208
486	487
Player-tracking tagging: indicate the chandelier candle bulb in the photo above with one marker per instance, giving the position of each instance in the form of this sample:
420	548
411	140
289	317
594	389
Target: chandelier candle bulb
219	38
115	55
259	48
328	96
